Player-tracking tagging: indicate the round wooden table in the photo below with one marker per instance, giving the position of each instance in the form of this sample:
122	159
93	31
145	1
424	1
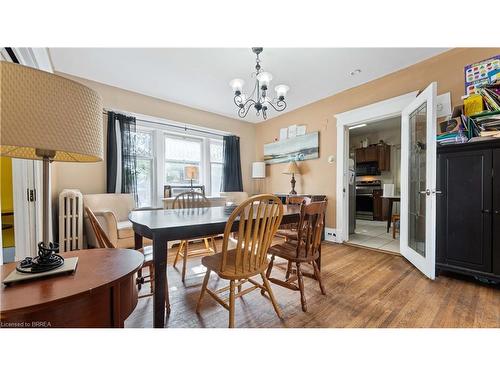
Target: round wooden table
102	292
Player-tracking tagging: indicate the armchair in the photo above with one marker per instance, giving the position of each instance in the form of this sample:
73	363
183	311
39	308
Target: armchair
111	211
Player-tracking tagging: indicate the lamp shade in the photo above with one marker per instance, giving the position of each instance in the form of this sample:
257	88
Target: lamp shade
292	168
191	172
42	113
264	79
258	169
237	85
281	91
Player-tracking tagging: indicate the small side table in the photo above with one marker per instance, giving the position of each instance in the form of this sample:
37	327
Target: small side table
102	292
391	200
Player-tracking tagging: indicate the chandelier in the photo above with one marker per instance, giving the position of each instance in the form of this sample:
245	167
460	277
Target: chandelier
259	98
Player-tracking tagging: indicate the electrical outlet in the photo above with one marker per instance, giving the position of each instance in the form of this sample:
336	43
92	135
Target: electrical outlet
330	234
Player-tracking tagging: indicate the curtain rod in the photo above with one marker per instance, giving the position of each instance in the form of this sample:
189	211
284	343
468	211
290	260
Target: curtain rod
185	128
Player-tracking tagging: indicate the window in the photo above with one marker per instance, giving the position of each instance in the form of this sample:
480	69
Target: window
162	155
179	153
216	166
145	173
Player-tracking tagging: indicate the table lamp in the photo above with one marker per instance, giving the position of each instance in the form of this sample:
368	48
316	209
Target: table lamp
50	118
293	169
191	173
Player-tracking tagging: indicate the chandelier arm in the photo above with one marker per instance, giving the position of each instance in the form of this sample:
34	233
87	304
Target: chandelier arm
280	105
243	111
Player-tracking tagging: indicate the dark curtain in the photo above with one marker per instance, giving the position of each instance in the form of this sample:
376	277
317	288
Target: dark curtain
121	154
231	178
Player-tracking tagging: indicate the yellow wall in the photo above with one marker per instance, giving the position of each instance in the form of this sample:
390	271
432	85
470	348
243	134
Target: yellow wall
318	177
6	184
6	201
91	177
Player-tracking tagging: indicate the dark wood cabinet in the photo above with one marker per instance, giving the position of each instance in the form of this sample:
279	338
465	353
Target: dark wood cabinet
375	153
360	155
371	153
384	157
468	209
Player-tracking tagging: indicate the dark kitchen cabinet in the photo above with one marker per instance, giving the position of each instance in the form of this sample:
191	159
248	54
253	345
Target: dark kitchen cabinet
468	209
384	157
375	153
360	155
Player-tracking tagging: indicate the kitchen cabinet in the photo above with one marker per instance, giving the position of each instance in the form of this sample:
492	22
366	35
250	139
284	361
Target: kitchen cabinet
384	157
468	209
375	153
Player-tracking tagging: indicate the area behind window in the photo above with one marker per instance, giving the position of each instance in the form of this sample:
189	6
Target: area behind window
163	154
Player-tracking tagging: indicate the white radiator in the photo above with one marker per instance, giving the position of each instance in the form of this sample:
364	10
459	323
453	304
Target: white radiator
70	220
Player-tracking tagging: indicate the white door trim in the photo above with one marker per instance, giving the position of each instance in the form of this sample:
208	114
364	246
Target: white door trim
373	112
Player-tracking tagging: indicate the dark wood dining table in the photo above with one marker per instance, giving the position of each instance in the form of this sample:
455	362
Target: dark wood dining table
163	226
391	199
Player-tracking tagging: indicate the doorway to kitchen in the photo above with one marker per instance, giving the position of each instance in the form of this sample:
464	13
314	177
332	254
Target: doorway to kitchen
363	117
374	184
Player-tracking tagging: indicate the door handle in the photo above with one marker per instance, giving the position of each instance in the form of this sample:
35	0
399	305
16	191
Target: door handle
426	192
437	192
486	211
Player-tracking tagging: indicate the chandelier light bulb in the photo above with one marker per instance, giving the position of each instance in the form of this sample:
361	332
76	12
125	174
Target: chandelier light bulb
237	85
264	79
281	91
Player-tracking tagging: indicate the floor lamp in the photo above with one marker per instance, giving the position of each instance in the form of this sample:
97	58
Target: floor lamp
50	118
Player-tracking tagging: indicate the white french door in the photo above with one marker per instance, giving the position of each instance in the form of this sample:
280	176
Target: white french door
418	181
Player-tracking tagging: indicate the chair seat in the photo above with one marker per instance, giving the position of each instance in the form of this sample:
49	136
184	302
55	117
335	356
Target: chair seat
290	233
125	229
214	262
288	251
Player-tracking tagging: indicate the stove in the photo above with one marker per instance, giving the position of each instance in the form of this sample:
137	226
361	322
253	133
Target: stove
364	198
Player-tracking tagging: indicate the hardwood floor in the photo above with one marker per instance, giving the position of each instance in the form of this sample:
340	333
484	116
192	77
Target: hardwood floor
365	288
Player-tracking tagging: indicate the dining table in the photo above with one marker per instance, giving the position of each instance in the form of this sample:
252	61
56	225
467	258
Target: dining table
163	226
390	199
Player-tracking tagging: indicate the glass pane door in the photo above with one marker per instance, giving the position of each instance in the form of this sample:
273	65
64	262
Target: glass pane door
418	181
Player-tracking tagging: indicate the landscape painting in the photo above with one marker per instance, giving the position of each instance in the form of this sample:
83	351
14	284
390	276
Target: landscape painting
299	148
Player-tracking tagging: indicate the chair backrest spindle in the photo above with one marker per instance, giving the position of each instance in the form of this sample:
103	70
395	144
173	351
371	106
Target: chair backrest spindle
190	199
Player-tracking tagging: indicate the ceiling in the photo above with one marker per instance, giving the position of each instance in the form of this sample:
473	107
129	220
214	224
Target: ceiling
199	77
377	126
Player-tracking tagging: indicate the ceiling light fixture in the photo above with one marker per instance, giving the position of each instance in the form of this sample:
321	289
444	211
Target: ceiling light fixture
258	98
357	126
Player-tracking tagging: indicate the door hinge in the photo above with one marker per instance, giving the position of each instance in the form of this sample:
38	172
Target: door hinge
30	195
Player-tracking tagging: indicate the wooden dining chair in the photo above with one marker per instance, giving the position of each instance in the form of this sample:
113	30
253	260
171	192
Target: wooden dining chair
255	221
104	242
289	231
192	199
305	250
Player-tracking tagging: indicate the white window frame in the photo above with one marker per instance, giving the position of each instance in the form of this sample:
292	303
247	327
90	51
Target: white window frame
159	132
202	176
145	129
209	141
